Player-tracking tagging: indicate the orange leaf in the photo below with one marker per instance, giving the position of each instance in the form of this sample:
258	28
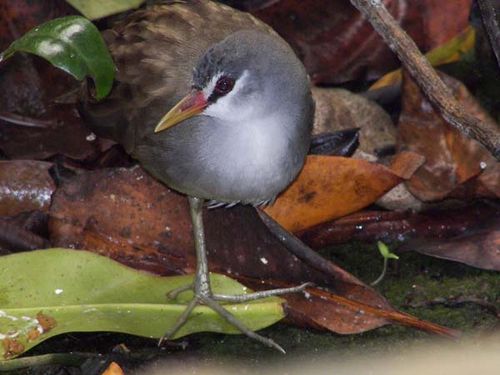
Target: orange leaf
113	369
406	163
330	187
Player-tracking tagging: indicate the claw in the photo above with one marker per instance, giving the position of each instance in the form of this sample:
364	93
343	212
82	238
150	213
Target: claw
180	321
174	293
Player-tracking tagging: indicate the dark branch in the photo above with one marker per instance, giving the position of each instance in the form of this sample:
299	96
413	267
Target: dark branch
426	77
491	24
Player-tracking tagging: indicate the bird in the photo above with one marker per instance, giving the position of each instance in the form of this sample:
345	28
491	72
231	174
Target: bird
215	105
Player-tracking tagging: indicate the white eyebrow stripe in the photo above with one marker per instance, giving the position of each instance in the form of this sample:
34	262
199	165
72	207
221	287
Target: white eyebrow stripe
209	88
228	109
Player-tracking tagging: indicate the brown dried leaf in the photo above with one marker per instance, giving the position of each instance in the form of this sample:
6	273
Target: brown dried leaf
487	184
467	234
361	312
406	164
31	126
480	248
67	138
25	185
17	17
118	213
337	45
129	216
338	109
451	158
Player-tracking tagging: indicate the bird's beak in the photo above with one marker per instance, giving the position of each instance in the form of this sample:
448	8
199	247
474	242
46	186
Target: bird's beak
191	105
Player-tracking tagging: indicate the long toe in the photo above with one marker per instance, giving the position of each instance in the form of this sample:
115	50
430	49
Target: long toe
211	302
230	318
263	294
181	320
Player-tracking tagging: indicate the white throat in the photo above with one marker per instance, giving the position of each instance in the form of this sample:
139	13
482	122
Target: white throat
249	139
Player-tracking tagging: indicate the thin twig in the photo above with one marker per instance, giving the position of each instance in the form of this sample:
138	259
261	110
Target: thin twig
426	77
15	119
382	274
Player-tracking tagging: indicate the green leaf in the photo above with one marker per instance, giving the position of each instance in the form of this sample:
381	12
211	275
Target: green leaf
44	293
385	252
94	9
72	44
451	51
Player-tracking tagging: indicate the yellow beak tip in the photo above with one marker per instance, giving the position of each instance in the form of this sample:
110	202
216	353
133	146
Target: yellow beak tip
191	105
164	124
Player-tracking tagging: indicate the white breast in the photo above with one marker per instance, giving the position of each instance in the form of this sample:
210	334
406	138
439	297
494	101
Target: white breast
252	158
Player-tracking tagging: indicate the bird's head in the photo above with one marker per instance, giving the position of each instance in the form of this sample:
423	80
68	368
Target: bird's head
247	75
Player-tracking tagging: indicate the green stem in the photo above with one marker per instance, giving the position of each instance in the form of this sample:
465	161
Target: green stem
382	275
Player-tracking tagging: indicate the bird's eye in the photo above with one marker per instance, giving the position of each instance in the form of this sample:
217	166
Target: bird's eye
224	85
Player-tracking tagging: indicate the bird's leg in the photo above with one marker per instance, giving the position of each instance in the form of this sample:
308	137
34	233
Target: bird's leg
201	285
202	280
203	291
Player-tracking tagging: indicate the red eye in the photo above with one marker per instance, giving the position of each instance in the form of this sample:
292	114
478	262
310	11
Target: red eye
224	85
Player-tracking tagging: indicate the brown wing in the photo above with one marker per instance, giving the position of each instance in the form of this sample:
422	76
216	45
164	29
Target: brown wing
155	51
